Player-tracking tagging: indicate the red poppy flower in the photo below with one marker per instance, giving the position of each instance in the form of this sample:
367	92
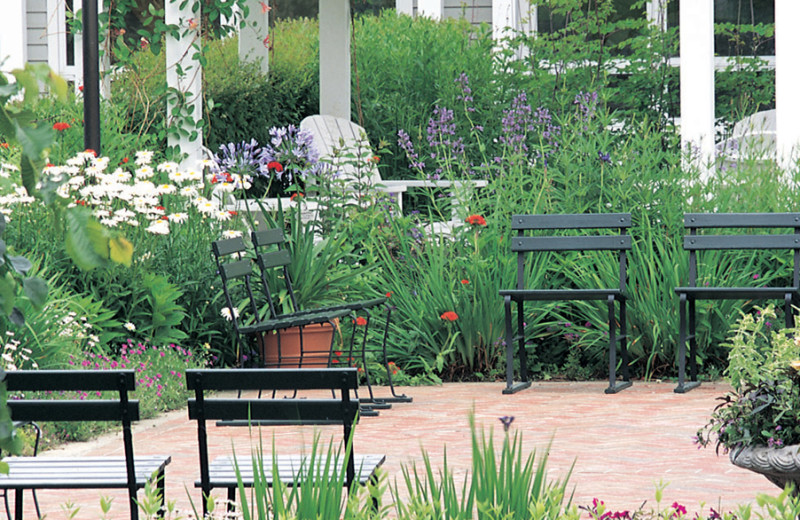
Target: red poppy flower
80	88
60	127
80	202
3	145
233	212
160	208
389	294
125	160
275	165
476	220
464	281
49	165
361	321
337	352
89	150
449	316
295	195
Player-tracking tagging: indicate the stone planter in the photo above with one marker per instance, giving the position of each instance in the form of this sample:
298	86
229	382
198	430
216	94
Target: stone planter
778	465
316	347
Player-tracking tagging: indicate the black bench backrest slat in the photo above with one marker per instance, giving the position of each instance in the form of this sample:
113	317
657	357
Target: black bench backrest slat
272	379
267	237
274	259
741	220
228	246
71	410
236	269
572	221
69	380
566	243
719	242
289	411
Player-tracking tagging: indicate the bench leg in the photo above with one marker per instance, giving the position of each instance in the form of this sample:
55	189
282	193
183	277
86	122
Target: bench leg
613	386
683	337
17	504
231	498
787	310
524	383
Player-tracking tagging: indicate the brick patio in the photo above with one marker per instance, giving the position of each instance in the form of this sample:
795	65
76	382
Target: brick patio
621	444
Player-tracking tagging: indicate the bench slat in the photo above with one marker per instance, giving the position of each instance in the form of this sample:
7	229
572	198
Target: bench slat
561	294
223	472
741	220
736	293
278	379
581	243
572	221
712	242
71	410
79	472
68	380
292	411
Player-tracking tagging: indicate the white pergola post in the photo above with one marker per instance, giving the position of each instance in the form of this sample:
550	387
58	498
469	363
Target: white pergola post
512	16
657	13
404	7
253	37
431	8
334	58
787	80
697	81
12	37
179	59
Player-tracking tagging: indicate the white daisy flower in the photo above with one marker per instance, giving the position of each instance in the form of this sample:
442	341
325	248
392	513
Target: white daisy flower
179	218
143	157
166	189
231	233
226	313
159	227
145	172
130	326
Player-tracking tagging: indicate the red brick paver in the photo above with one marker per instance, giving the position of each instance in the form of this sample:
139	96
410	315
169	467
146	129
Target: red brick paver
621	445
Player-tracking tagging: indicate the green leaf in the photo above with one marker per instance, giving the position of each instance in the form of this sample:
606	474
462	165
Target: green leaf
36	290
20	264
81	239
8	293
16	317
121	250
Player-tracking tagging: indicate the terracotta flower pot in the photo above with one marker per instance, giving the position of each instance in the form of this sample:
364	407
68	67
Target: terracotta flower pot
316	347
778	465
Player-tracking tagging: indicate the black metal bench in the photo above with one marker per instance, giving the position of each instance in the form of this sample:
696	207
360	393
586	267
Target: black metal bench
524	245
694	242
222	471
129	472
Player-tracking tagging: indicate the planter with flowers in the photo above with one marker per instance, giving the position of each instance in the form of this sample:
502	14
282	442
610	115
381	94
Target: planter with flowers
250	176
758	422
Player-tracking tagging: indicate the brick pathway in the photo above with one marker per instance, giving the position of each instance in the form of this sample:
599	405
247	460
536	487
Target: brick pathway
621	445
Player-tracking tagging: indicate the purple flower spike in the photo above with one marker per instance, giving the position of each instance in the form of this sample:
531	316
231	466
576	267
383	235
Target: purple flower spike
506	420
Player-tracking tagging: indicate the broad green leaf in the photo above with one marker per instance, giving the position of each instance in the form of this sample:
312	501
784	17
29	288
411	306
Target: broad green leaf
20	264
121	250
16	317
36	290
58	86
27	80
34	140
8	293
80	240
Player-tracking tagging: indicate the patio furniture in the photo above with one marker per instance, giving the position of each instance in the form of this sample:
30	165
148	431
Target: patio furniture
291	469
18	425
272	256
344	145
535	246
695	241
110	472
250	319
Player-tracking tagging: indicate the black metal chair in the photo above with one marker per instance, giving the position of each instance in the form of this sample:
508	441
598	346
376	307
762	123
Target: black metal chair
251	320
272	254
695	241
523	245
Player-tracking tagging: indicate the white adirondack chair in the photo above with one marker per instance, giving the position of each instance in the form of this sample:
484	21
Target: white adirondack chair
335	137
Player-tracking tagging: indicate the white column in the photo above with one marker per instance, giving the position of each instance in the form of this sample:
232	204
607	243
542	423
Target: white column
787	81
505	17
657	13
431	8
179	59
404	7
697	80
12	36
254	41
334	58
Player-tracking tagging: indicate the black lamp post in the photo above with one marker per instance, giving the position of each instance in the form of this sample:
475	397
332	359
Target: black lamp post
91	77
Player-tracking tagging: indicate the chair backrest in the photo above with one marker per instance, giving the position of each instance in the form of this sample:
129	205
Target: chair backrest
119	408
522	244
272	254
235	270
694	241
296	410
342	143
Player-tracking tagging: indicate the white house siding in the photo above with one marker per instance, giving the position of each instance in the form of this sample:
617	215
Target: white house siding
36	32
